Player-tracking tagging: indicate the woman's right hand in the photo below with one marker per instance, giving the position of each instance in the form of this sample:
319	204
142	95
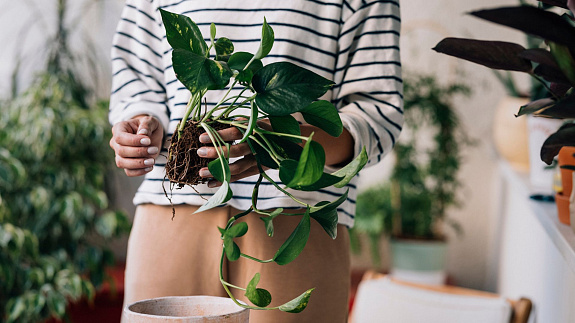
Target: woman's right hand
137	143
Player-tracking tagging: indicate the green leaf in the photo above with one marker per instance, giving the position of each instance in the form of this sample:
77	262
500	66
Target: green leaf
220	169
252	124
268	221
198	73
327	218
325	207
266	42
231	248
239	60
286	124
295	243
212	32
223	195
183	33
258	296
285	148
237	230
288	168
351	169
298	304
535	107
493	54
224	49
564	60
565	136
245	77
323	115
284	88
310	165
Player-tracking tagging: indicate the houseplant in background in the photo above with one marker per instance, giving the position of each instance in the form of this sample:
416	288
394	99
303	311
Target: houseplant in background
553	67
55	219
412	207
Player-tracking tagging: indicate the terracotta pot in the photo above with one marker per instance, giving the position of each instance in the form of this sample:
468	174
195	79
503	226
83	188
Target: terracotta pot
186	309
566	158
562	202
510	134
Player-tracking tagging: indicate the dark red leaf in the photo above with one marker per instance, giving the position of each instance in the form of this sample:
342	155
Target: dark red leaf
534	21
493	54
557	3
535	106
565	136
539	55
563	109
551	74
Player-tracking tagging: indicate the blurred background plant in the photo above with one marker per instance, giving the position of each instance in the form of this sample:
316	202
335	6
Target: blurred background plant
55	216
423	185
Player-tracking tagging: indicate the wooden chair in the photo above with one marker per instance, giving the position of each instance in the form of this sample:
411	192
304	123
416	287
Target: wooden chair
520	309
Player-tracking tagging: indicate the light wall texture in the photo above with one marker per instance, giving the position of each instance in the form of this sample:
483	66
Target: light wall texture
424	24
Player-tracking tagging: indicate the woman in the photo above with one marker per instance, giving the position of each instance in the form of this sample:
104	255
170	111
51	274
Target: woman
354	43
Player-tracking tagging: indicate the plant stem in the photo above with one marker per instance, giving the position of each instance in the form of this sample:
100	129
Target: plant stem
256	259
544	83
192	103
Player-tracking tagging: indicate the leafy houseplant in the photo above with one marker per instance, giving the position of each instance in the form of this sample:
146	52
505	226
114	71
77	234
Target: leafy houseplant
554	66
54	211
273	92
423	183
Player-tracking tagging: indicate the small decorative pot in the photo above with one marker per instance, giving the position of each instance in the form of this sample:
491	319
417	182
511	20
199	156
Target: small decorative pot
186	309
566	160
419	261
510	134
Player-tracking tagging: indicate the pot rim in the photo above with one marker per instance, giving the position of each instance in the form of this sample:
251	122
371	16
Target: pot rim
156	299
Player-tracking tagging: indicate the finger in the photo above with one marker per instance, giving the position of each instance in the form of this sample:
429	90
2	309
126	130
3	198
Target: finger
136	152
229	134
235	151
147	125
249	172
134	163
137	172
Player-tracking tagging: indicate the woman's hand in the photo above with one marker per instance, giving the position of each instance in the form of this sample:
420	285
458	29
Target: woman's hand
241	168
137	143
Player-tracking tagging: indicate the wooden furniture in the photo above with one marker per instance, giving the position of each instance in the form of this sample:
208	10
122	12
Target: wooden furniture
520	309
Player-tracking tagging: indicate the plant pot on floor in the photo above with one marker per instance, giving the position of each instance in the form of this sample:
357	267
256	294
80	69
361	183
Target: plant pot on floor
566	161
186	309
510	133
419	261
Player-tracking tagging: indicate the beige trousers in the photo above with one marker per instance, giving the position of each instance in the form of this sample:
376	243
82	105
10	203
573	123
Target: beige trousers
181	257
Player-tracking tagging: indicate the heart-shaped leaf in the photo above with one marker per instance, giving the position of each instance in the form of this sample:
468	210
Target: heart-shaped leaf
237	230
288	168
220	169
198	73
268	221
231	249
310	165
323	115
267	41
493	54
327	218
534	21
223	195
224	49
239	60
284	148
258	296
565	136
298	304
284	88
295	243
351	169
183	33
286	124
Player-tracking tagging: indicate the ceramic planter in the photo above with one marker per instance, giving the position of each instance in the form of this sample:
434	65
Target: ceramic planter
566	160
419	261
510	134
186	309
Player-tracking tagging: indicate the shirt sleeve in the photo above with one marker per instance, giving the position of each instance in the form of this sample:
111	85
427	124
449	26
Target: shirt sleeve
137	64
368	90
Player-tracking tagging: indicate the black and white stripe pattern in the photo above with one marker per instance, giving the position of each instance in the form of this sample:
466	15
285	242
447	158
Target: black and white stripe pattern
353	42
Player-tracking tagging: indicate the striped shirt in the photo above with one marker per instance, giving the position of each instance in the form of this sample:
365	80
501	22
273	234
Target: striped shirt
352	42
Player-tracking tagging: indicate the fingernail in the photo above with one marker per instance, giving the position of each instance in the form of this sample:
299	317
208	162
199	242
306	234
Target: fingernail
143	132
204	138
153	150
149	162
203	152
205	173
145	141
147	169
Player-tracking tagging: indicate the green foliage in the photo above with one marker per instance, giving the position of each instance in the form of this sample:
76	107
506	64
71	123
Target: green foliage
424	182
52	201
273	92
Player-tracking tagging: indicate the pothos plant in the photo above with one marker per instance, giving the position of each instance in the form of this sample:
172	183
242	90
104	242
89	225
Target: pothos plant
272	92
